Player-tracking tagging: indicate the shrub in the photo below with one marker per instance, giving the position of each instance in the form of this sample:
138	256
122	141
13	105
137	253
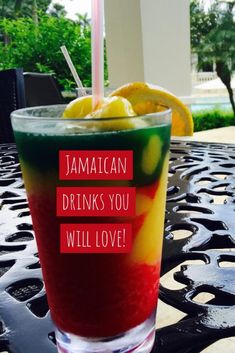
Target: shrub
37	48
212	119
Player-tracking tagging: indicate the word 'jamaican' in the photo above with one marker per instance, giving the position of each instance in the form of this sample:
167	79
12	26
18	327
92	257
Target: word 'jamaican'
95	165
96	202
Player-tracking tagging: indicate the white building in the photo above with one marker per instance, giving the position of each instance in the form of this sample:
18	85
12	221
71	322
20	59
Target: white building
149	40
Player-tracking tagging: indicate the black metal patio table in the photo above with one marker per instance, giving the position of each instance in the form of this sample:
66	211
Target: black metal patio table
200	225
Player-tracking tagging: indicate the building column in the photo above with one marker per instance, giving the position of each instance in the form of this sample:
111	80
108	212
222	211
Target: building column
149	40
124	41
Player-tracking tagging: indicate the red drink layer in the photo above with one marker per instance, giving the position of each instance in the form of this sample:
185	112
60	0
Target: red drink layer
99	295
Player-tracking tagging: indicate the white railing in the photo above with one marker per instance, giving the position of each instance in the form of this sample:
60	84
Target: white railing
202	77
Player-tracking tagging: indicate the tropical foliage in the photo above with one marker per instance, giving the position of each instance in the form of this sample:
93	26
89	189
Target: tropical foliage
212	119
37	48
213	38
19	8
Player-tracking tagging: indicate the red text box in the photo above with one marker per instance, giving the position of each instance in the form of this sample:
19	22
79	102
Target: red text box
96	201
96	165
96	238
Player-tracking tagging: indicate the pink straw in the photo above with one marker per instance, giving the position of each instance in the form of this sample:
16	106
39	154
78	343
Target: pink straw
97	51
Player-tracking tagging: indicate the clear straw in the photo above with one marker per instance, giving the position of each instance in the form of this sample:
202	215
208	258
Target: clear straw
97	51
73	70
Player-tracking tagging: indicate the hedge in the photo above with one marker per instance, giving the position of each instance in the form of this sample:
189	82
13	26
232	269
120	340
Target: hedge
212	119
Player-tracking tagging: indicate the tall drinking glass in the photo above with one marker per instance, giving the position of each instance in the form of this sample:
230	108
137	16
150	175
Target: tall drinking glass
98	302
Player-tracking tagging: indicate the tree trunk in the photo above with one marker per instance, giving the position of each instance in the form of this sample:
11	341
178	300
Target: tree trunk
230	92
225	75
35	12
6	39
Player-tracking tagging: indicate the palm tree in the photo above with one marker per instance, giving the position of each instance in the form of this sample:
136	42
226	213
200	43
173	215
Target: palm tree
83	20
34	9
17	7
219	45
57	10
9	9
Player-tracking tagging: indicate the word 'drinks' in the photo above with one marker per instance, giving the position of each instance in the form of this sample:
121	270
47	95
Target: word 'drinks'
96	201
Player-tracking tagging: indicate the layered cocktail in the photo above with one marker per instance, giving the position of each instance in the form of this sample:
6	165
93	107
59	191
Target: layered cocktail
106	300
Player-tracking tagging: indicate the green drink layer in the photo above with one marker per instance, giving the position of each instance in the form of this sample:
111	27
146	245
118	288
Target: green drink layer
97	295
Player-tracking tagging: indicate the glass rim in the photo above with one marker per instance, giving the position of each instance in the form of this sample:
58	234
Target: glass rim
20	115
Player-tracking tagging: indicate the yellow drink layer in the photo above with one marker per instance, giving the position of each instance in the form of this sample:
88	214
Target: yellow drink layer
147	247
147	241
96	284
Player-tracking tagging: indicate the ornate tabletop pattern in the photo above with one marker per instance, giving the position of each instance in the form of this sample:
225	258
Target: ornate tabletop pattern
201	207
200	225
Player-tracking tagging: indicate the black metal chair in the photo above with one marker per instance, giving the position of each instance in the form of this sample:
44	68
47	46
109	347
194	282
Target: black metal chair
41	89
12	97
